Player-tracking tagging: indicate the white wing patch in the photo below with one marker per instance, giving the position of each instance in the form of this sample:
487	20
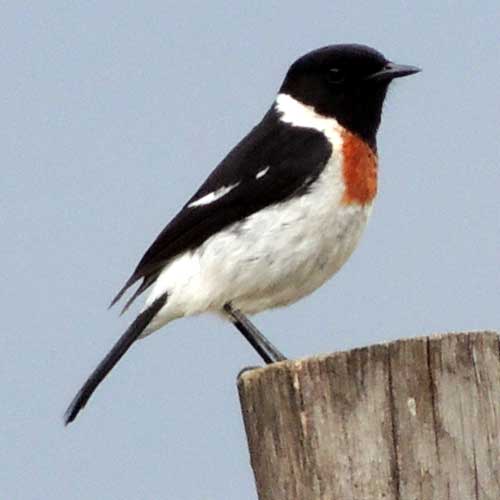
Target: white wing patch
213	196
261	173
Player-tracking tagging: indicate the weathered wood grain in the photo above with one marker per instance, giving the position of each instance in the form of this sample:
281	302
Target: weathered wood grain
415	419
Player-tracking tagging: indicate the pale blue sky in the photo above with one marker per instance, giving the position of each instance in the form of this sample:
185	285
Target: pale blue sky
113	113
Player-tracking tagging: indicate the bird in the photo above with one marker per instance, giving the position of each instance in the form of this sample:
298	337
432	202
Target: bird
279	215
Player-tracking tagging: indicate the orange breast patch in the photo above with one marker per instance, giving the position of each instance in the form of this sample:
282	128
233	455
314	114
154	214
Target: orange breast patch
359	170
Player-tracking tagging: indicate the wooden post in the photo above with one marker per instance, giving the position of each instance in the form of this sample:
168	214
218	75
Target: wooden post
415	419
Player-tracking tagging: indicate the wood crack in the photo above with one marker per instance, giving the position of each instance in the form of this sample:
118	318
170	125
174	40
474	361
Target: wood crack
395	464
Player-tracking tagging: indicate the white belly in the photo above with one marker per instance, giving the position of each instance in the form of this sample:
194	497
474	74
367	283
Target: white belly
283	253
272	258
301	259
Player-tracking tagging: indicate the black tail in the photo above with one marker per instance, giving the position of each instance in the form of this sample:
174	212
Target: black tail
116	353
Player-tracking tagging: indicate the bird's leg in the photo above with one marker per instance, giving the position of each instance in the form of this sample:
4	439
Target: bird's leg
264	348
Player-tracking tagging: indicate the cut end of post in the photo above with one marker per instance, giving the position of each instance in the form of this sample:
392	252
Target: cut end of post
405	419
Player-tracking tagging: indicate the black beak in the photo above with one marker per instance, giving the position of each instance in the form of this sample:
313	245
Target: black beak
391	71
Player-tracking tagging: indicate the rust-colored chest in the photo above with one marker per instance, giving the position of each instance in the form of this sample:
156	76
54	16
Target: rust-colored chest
359	170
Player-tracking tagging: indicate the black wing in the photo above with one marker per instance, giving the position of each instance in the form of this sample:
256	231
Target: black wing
294	157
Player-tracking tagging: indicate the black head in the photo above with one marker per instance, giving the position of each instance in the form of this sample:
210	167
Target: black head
347	82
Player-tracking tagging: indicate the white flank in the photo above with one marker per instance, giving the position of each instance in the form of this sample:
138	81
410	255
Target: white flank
261	173
211	197
300	115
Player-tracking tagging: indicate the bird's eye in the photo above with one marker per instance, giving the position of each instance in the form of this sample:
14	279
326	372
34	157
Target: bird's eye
335	75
